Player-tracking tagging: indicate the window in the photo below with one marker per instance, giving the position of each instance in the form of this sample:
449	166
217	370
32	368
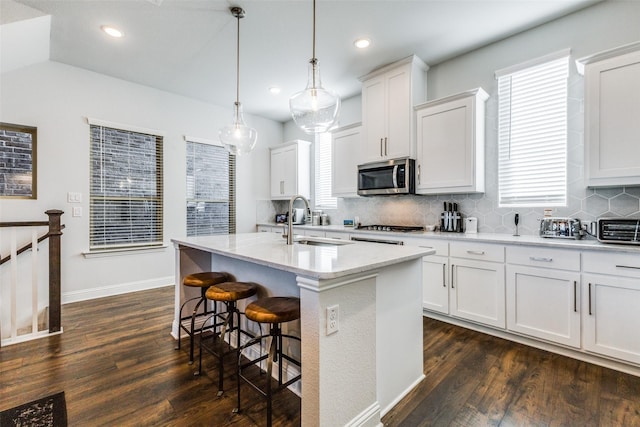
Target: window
125	188
210	189
18	161
322	156
532	133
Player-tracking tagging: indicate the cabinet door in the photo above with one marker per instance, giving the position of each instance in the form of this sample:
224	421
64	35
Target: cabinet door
277	178
290	171
397	142
435	291
477	291
544	303
345	158
612	128
611	316
373	118
445	148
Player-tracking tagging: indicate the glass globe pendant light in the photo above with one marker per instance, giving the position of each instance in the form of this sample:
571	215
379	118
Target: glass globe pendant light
314	109
237	137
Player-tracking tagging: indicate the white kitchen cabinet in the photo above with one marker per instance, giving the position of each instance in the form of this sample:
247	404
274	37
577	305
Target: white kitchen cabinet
612	108
450	144
477	283
611	318
435	278
388	96
290	170
543	293
346	145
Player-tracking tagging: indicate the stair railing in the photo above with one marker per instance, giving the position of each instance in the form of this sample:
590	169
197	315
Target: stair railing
54	234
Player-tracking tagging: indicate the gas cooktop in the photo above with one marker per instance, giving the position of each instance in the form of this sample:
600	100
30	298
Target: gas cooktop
397	228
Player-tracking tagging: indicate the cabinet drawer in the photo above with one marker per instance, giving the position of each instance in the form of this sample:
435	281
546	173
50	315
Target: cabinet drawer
544	257
479	251
618	264
440	246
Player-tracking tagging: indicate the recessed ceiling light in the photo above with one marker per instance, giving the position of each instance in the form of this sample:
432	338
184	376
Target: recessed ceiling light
274	90
112	31
362	43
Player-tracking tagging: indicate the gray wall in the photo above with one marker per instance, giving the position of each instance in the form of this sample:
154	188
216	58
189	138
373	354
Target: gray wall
603	26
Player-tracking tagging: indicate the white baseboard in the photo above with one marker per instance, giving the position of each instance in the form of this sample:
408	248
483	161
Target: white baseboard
118	289
369	417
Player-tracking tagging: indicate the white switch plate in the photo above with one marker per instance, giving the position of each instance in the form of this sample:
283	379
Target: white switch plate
77	211
73	197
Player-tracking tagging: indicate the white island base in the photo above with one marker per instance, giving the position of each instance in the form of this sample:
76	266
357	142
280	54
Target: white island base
355	375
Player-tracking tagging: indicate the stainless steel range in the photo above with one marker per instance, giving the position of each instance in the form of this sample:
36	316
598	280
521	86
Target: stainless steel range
396	228
388	228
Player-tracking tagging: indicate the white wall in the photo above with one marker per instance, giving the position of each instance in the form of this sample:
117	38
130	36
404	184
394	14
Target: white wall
57	98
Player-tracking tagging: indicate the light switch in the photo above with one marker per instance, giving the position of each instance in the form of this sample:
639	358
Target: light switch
74	197
77	211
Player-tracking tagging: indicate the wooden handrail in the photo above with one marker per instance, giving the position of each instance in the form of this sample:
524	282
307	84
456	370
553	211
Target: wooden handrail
28	245
54	234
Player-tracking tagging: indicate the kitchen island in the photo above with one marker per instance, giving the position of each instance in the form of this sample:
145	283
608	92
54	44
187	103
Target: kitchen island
352	376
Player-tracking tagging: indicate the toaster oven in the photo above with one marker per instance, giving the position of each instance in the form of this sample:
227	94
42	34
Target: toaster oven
618	230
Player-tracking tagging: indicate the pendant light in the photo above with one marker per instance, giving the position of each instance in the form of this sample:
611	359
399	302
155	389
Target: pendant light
314	109
237	137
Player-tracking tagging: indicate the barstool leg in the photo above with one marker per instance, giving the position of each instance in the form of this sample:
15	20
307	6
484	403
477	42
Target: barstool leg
272	352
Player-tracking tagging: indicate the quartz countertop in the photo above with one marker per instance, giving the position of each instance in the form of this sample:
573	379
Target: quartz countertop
319	262
588	243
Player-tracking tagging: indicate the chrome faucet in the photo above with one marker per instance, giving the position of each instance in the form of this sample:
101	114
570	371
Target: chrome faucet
290	216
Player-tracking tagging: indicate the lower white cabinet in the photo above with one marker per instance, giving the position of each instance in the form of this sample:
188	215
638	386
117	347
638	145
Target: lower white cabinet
544	303
477	286
611	313
543	293
435	277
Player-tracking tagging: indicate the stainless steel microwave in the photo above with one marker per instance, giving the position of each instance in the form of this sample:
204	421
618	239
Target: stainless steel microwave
388	177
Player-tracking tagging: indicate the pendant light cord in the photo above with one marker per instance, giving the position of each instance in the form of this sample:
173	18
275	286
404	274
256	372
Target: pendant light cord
314	60
238	16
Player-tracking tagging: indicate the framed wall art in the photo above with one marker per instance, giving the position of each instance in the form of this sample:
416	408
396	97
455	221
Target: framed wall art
18	161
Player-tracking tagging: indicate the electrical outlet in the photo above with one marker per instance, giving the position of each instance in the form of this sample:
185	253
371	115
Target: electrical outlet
333	319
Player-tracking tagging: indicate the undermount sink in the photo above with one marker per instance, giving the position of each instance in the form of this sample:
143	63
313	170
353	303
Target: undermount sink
320	241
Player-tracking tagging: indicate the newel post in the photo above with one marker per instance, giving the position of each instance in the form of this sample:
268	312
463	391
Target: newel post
55	291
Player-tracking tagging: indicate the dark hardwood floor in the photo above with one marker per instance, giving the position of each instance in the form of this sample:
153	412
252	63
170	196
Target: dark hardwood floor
116	364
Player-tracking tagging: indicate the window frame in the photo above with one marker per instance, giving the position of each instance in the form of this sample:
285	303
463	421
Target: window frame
157	198
542	121
322	164
232	220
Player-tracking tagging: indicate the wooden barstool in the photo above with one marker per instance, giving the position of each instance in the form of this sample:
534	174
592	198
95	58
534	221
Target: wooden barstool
228	293
273	311
203	281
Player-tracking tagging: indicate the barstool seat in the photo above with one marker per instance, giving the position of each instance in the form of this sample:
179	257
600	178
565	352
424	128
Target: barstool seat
203	281
228	293
273	311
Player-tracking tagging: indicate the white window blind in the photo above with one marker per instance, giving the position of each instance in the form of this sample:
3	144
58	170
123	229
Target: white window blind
532	134
322	156
126	189
210	189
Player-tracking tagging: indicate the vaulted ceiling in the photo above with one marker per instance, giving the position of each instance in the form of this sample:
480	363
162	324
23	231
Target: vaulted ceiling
188	47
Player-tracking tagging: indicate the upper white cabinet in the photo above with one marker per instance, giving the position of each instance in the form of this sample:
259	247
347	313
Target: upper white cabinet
290	174
450	144
612	108
388	96
345	157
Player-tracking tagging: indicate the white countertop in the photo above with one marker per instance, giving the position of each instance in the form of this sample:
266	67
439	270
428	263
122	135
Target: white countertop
319	262
588	243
